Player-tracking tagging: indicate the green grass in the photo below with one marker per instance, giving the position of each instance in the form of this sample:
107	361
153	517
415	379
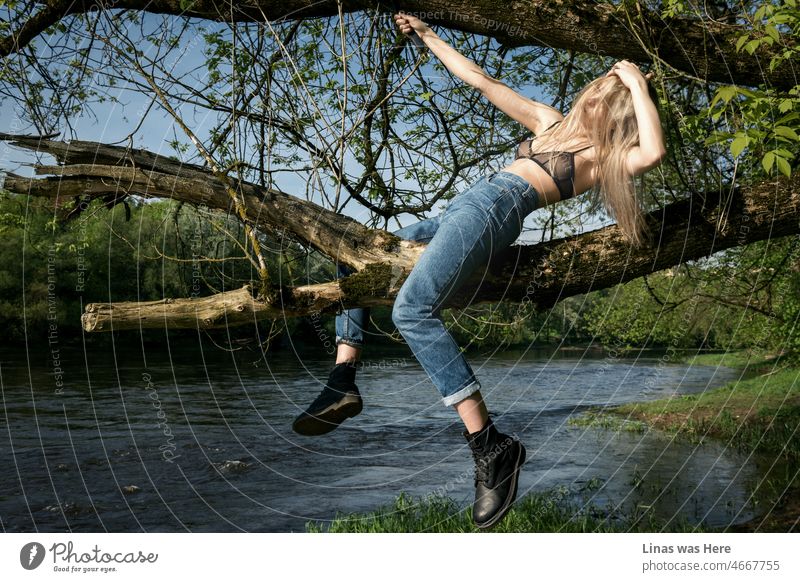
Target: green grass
741	359
760	412
613	422
756	413
549	511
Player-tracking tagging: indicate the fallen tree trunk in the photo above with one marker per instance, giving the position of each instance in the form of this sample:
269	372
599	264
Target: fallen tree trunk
543	274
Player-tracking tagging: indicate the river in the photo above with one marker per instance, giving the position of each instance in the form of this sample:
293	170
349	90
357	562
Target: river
187	437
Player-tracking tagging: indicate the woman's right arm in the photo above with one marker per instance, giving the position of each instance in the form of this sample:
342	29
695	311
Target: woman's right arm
533	115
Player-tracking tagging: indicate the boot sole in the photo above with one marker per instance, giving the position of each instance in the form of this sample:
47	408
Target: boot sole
330	418
512	494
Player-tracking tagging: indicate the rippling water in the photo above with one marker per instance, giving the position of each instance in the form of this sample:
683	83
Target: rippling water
193	438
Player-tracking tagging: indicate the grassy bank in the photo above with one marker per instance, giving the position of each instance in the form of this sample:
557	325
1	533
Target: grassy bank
760	412
549	511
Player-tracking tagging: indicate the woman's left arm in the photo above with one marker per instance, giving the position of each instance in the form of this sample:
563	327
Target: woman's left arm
650	151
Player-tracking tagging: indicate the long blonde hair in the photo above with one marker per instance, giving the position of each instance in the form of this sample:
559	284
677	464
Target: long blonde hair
611	128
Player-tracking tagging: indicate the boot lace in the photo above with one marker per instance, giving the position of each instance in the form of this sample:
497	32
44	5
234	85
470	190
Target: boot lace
482	467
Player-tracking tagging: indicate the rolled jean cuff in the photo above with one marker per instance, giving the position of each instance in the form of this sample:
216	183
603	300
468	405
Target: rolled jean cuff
465	392
349	342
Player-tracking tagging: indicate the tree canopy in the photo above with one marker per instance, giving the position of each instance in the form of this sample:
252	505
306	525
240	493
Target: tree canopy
290	116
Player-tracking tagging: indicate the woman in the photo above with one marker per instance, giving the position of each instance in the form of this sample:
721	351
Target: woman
611	134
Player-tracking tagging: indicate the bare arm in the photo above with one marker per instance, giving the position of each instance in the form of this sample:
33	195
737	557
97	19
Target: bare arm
533	115
650	151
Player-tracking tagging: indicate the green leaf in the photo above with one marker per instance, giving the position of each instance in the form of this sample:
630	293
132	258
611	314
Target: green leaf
787	132
740	43
716	138
725	93
784	167
768	161
772	31
790	117
728	93
751	46
738	145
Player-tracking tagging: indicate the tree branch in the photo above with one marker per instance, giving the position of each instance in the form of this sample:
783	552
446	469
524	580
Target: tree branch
543	274
700	48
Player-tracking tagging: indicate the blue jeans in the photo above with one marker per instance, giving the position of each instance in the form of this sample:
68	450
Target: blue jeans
478	223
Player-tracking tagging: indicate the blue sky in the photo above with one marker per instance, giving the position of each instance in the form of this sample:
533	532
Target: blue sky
112	122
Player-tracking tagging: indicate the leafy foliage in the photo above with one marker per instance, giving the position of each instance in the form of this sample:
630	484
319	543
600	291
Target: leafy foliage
49	271
765	120
744	297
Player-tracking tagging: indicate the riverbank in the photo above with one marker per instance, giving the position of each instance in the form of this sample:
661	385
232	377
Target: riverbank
552	511
759	413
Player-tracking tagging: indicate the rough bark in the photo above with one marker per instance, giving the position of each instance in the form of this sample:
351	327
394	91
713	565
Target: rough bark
702	48
542	274
94	170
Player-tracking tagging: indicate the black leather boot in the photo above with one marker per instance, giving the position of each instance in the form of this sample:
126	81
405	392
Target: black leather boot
498	458
337	402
